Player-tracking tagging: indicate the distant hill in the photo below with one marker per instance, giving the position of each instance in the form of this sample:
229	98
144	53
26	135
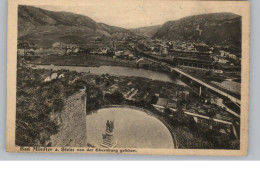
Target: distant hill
215	28
44	27
146	31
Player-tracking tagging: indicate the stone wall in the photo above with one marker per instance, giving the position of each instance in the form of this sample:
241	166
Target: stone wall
72	122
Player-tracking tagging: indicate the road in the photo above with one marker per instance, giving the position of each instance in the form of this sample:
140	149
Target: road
197	115
204	117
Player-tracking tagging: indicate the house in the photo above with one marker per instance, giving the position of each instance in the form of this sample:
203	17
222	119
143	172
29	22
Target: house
224	53
118	53
221	60
172	103
183	94
75	49
127	52
162	102
218	71
183	45
215	57
164	51
190	48
58	44
143	63
195	119
152	48
51	77
155	53
54	76
61	76
130	55
202	44
104	50
47	79
68	50
232	56
223	131
57	48
113	88
20	52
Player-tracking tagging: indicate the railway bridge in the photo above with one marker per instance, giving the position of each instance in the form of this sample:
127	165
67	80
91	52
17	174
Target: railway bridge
215	89
224	93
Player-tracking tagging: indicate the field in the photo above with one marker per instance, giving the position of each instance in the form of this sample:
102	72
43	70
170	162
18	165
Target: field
83	60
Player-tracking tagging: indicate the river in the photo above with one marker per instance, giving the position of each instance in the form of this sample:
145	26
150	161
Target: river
132	129
118	71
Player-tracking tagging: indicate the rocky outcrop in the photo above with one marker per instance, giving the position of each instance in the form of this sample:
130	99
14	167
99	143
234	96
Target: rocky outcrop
72	122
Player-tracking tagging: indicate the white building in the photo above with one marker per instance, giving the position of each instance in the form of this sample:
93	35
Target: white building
47	79
232	56
51	77
218	71
118	53
61	76
224	53
221	60
104	50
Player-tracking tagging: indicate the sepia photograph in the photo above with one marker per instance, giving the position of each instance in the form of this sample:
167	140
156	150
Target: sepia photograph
130	77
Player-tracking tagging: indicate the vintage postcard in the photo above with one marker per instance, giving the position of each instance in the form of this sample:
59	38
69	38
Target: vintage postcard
155	77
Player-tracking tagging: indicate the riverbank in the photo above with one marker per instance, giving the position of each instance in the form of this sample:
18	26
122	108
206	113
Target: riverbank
89	60
128	80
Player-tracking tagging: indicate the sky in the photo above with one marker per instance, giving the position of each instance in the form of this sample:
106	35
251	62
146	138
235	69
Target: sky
141	13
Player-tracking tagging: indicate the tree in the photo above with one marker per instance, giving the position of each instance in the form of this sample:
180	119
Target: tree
208	73
167	111
107	83
154	99
235	144
192	124
97	80
148	87
180	104
58	104
179	114
115	98
211	113
24	46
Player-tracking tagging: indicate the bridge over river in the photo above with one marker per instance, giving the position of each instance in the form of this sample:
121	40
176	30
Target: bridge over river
222	92
215	89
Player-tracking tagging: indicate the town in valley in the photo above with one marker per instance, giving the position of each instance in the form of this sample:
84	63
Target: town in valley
185	74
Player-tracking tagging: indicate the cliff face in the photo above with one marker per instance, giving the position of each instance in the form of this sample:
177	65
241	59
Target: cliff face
215	28
72	122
